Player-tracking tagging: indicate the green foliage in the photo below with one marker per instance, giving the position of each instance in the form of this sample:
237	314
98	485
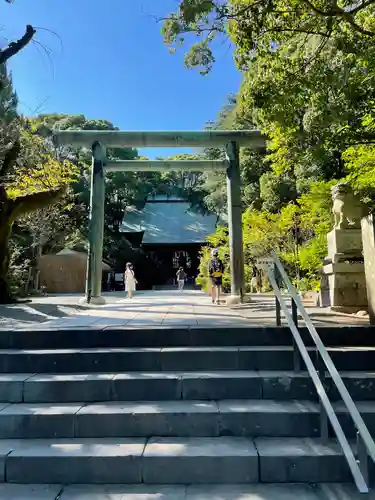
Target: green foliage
18	271
360	163
265	231
36	169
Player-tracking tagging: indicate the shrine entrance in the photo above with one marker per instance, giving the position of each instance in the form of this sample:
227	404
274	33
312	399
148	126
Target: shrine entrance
99	140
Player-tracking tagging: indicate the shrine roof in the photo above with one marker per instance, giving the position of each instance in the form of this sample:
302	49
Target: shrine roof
169	221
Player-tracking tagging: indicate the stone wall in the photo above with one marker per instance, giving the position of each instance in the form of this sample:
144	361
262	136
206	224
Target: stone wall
368	238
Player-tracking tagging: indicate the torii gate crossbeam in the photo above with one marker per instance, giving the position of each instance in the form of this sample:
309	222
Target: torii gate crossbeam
99	140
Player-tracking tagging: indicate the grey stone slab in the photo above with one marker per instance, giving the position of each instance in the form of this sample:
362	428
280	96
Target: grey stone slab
145	419
6	446
269	418
291	460
13	361
287	385
29	492
38	361
341	491
81	461
38	421
124	492
361	385
146	386
221	385
239	336
11	386
266	358
146	336
353	357
68	388
367	410
252	492
199	358
200	460
120	359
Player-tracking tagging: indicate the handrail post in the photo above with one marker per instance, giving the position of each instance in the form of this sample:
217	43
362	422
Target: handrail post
278	312
362	457
296	354
323	414
278	306
294	312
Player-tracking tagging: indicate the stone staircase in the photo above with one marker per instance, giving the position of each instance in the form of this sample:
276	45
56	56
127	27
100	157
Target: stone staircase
174	414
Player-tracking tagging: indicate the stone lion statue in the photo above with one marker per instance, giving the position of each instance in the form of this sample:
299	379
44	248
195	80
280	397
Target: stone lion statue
347	208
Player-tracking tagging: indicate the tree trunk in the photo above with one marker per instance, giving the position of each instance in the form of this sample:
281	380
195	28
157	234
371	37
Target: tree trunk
9	211
5	230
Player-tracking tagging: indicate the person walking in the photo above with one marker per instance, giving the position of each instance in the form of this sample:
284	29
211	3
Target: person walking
130	280
216	271
181	277
255	282
112	283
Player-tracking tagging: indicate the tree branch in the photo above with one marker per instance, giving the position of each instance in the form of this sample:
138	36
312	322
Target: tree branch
297	30
31	202
15	47
347	16
329	13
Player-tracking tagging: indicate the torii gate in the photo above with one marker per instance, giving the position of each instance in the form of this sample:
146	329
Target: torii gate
99	140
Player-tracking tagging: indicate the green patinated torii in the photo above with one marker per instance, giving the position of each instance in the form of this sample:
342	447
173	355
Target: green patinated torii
97	141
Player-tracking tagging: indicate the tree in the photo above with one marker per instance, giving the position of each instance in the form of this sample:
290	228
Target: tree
258	26
30	179
309	78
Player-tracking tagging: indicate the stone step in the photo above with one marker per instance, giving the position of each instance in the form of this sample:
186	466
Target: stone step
176	461
162	386
172	359
87	337
325	491
301	460
156	461
242	418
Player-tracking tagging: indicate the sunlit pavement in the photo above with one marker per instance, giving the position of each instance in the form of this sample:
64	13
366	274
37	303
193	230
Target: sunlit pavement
153	308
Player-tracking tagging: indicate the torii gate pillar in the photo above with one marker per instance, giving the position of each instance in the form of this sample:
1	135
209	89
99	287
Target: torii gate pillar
235	225
96	227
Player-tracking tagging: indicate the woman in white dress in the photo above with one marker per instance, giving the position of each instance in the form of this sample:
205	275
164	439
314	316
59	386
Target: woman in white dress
130	280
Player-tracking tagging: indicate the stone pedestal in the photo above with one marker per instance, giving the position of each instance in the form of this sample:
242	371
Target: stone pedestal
343	284
344	287
344	244
233	300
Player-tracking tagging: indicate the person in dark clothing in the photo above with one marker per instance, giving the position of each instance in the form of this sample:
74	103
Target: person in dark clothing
112	283
216	271
255	282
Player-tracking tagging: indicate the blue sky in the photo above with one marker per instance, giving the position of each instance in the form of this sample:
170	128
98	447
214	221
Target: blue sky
107	60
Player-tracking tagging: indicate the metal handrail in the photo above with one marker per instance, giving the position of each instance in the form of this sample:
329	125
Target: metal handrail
366	445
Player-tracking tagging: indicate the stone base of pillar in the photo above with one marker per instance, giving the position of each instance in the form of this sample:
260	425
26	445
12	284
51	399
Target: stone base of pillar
94	301
343	287
233	300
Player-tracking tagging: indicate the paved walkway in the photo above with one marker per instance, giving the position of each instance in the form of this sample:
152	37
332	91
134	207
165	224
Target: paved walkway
168	308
